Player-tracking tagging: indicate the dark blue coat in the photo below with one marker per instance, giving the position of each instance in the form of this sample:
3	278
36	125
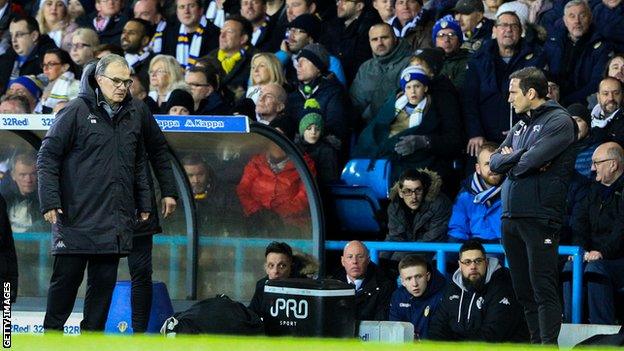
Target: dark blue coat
588	67
487	88
404	307
610	23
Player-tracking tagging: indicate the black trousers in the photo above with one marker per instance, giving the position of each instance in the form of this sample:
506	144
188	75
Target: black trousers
531	246
140	266
66	278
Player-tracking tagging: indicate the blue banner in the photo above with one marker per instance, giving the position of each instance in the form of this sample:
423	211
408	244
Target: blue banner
203	124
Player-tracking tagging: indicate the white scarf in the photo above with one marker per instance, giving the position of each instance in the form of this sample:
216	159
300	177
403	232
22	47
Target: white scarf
155	44
187	52
215	15
134	59
415	118
61	90
57	36
154	95
408	26
598	118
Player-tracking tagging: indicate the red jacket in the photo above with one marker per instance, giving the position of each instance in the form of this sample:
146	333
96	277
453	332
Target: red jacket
282	193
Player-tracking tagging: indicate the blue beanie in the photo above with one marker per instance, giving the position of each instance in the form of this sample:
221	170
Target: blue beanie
447	22
32	84
413	73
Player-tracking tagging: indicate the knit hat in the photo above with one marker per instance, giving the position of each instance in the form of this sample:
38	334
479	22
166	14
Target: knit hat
308	23
520	9
31	83
65	2
411	73
447	22
309	119
434	57
180	97
317	54
467	7
579	110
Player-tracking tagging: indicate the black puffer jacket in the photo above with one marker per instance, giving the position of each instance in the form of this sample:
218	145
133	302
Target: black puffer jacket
32	65
93	168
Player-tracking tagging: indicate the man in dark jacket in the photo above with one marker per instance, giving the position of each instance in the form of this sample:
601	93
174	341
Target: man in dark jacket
107	20
278	264
476	28
479	305
486	109
92	183
264	36
609	20
372	289
538	161
447	35
576	54
607	117
599	230
419	296
26	53
8	257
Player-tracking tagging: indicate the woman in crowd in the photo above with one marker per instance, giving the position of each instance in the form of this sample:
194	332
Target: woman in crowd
82	47
166	75
55	21
265	68
62	83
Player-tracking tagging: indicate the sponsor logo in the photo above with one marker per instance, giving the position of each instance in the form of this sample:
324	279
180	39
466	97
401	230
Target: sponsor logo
403	304
298	309
453	297
480	302
504	301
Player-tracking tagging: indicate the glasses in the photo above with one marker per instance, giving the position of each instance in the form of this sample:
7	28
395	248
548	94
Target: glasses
18	35
197	85
449	35
469	262
78	46
412	192
159	72
119	82
345	1
50	65
596	163
512	26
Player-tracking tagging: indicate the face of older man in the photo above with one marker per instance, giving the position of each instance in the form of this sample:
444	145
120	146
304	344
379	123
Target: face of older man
610	96
577	20
25	176
113	82
355	260
269	104
507	31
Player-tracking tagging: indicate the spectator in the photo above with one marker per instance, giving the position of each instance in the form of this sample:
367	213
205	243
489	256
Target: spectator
264	36
584	143
107	20
372	289
28	87
447	35
487	112
322	149
55	21
315	90
419	295
265	68
84	41
378	76
609	20
14	104
193	38
28	46
418	212
491	7
480	304
165	76
615	69
107	49
477	210
75	9
62	86
9	10
138	89
8	257
385	9
607	123
346	36
413	23
151	11
577	55
206	91
135	39
271	104
234	54
476	27
598	230
180	102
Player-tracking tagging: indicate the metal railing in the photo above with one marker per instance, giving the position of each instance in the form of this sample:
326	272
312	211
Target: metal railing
442	249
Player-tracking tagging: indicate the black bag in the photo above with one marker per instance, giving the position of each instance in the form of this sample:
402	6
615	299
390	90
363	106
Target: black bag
218	315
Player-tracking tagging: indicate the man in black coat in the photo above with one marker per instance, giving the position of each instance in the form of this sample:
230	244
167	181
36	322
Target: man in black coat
26	53
8	257
93	185
538	161
372	289
108	20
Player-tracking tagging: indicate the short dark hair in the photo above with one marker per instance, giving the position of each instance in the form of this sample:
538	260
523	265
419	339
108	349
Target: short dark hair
471	245
148	28
489	146
413	261
264	2
605	73
413	175
532	78
211	74
617	81
20	100
384	24
245	24
25	158
31	23
279	248
63	56
193	159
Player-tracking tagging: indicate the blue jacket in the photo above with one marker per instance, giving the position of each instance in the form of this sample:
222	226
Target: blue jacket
470	220
486	89
610	23
404	307
586	74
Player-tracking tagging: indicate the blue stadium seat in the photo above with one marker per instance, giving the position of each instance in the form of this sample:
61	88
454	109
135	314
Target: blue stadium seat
356	209
374	174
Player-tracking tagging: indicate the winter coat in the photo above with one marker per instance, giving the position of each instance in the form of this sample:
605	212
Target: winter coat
486	89
404	307
540	166
8	257
213	104
585	75
610	23
92	167
32	65
324	153
454	67
613	131
376	78
111	33
481	34
492	315
475	220
372	300
210	39
599	225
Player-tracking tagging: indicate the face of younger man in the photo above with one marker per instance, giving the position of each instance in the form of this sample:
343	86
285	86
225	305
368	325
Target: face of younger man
415	279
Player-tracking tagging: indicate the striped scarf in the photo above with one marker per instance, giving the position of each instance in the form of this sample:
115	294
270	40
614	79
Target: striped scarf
189	44
483	195
134	59
61	91
155	44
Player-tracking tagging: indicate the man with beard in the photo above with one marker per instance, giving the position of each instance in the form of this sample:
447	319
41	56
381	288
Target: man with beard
477	209
479	305
135	39
607	123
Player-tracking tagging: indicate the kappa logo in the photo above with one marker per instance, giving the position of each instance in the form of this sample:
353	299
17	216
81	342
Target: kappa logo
60	245
548	242
480	301
504	301
92	118
453	297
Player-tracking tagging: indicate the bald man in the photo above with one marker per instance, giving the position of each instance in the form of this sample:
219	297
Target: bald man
599	229
372	289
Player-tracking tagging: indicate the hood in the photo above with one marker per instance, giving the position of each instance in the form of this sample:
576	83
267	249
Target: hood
398	53
545	108
493	266
88	85
432	193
